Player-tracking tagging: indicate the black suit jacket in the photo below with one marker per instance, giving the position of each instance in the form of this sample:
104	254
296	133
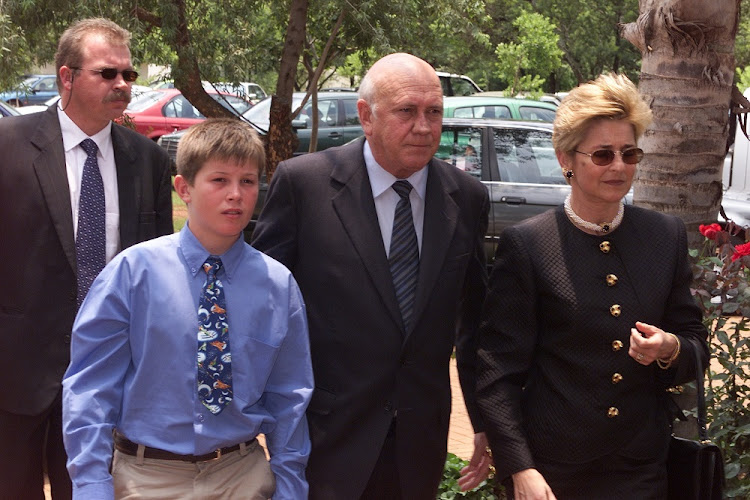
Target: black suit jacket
319	220
38	298
555	379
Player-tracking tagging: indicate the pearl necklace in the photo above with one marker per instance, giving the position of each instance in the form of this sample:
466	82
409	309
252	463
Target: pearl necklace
602	228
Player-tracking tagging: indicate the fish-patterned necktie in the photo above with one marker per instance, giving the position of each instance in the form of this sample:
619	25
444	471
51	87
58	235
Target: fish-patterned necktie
214	376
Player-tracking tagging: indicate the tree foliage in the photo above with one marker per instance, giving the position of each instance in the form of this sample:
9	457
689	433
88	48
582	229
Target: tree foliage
536	55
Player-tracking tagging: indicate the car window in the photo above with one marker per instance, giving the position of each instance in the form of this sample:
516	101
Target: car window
179	107
144	101
462	148
537	114
327	113
255	89
46	84
526	156
350	110
462	87
232	103
483	112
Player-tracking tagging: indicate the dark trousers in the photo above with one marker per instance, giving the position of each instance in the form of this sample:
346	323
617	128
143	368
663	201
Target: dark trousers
28	446
384	481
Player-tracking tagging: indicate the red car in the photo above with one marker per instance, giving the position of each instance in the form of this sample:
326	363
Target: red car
160	112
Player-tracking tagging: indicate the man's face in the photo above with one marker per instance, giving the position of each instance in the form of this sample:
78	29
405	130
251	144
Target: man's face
93	100
404	130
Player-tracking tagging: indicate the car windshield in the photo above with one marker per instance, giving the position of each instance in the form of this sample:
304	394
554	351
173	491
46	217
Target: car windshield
144	101
260	114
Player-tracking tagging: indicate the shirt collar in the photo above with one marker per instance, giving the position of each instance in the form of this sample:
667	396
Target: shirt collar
195	254
381	179
73	136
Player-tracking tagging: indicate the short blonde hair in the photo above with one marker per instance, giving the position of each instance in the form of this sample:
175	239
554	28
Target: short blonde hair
610	96
227	139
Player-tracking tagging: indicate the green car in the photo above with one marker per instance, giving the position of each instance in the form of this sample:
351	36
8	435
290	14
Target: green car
505	108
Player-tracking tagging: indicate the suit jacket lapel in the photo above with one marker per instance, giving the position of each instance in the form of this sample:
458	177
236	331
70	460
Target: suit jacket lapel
128	187
440	219
355	207
53	179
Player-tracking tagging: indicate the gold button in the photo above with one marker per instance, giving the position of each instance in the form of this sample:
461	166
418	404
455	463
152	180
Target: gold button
615	310
616	345
605	246
611	280
613	412
616	378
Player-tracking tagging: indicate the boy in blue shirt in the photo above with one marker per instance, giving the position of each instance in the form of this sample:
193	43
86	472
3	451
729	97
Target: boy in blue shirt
189	346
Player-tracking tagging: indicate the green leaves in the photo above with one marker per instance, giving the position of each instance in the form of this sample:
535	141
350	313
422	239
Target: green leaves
721	289
449	489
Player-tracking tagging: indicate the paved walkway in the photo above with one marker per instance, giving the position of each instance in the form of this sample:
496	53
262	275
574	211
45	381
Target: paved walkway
460	433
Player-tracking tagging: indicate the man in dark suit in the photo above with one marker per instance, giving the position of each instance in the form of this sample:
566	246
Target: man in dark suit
380	411
41	173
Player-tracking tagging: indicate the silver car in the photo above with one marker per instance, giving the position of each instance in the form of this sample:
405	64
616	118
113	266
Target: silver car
515	160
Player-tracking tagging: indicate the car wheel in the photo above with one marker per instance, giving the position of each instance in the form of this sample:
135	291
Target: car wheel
15	102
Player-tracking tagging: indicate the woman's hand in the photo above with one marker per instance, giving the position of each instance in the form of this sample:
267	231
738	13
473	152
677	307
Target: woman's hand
649	343
479	467
529	484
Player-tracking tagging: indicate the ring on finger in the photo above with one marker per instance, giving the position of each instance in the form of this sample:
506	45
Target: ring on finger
639	357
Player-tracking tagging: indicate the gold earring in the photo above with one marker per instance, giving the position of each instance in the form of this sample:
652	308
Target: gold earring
568	173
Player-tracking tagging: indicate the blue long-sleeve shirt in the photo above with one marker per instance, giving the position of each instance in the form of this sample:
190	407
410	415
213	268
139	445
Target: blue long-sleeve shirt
133	362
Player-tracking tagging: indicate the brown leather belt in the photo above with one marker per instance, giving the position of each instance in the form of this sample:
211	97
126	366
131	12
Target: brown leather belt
124	445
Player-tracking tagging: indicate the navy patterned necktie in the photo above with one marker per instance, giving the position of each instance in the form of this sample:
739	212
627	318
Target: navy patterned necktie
91	237
403	257
214	358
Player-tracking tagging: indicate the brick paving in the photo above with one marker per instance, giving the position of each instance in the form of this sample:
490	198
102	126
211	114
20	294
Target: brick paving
460	432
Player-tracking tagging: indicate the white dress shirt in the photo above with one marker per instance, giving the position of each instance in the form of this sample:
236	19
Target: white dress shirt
75	157
386	198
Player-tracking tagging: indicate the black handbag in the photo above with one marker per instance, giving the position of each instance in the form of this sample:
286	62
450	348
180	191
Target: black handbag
695	468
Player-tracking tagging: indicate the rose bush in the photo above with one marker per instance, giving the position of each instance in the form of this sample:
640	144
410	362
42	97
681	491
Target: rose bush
720	286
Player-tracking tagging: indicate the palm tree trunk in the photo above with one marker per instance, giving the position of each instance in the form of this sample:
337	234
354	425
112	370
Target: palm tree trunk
686	77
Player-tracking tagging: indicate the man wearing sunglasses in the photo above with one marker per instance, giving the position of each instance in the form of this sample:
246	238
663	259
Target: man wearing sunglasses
75	189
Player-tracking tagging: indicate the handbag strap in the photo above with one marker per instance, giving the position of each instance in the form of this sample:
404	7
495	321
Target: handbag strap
700	390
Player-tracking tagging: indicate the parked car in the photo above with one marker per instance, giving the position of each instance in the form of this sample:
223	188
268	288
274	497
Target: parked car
454	84
337	114
7	110
33	90
158	112
249	91
515	160
505	108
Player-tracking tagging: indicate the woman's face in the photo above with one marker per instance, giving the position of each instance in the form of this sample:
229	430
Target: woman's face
601	185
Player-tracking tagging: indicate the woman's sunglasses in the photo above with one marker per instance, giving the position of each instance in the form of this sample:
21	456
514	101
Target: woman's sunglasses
603	157
128	75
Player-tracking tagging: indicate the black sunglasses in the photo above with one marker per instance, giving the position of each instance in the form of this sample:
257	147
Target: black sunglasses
129	75
603	157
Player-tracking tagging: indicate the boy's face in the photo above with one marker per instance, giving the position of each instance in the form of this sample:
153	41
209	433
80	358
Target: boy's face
220	202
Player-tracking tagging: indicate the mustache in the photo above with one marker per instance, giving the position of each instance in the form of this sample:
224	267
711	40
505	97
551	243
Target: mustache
118	95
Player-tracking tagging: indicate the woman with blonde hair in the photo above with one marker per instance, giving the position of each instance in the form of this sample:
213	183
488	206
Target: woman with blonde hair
589	320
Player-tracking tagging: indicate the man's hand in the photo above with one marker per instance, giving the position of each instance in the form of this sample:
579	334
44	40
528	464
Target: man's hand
479	467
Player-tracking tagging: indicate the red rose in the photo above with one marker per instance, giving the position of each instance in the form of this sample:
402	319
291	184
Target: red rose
740	251
710	231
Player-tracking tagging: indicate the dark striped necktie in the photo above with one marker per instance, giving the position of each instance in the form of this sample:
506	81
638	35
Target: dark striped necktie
404	253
